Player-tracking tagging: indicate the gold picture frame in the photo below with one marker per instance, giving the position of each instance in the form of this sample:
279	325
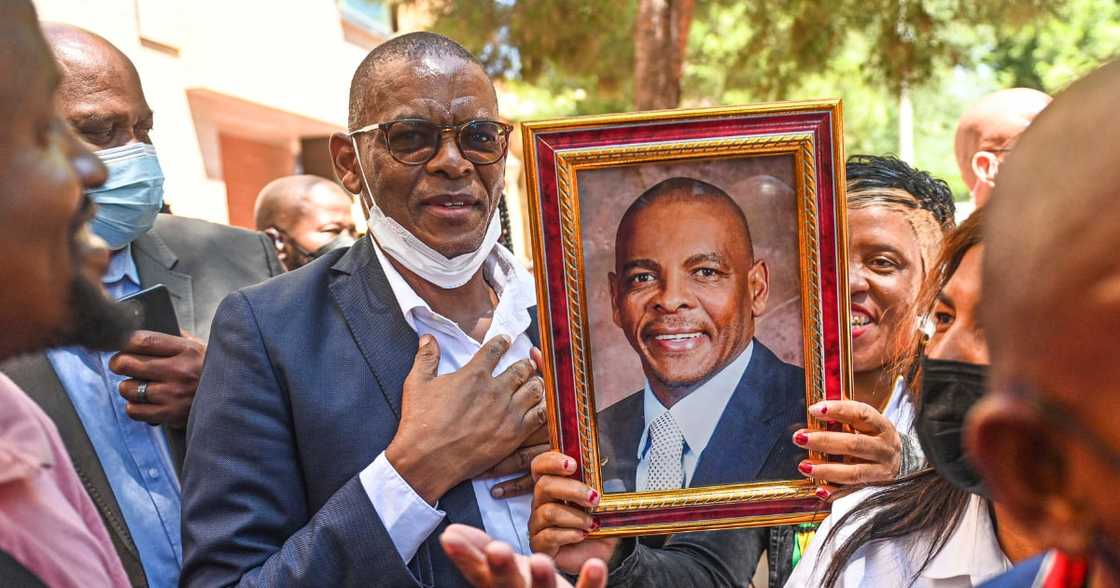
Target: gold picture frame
558	152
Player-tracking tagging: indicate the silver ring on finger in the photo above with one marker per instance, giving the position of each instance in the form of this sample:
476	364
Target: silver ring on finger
142	393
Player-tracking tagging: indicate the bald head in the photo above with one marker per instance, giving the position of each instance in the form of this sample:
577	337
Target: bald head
100	95
1045	435
993	124
420	48
693	192
284	201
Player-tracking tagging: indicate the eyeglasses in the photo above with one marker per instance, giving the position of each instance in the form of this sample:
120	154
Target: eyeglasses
416	141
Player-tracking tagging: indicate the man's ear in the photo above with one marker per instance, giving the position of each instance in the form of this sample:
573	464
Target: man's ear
279	242
985	165
758	280
345	163
616	316
1028	473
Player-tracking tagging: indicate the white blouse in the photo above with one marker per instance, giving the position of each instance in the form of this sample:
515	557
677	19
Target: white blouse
971	556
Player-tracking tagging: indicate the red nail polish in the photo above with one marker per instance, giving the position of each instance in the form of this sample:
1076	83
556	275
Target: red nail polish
823	494
801	439
805	467
592	496
595	525
824	409
567	465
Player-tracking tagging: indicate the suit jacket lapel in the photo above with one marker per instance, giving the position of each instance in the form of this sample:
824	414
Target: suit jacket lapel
747	431
361	291
35	375
154	262
621	425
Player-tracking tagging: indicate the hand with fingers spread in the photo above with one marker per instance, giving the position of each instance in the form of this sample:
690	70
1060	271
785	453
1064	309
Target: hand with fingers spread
166	369
560	523
459	425
492	564
519	460
872	449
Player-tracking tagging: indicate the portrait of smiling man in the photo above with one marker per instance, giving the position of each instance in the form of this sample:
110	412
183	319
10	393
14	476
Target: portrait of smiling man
718	406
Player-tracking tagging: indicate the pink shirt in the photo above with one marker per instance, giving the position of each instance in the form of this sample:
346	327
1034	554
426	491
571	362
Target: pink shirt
47	522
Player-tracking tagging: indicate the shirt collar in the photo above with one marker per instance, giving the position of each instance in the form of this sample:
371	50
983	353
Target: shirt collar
698	413
511	282
121	266
973	549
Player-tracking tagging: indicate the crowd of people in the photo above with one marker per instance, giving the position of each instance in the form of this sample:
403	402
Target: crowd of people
349	411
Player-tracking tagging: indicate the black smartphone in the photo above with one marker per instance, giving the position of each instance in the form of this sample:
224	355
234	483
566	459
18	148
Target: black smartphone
153	307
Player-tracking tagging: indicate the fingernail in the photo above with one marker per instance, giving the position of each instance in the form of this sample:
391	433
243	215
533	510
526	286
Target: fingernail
801	439
824	408
594	524
593	497
568	465
805	467
532	364
823	494
497	492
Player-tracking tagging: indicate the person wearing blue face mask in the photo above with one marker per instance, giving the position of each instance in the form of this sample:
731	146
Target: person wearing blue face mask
122	414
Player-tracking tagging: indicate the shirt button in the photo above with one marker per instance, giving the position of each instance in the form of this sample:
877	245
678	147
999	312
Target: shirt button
153	473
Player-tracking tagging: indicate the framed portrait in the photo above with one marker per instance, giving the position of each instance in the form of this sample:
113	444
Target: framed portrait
692	291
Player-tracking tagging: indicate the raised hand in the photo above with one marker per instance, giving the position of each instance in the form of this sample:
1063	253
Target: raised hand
559	524
486	563
456	426
873	450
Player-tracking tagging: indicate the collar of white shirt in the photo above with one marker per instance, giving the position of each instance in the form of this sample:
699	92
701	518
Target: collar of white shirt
972	550
511	282
698	413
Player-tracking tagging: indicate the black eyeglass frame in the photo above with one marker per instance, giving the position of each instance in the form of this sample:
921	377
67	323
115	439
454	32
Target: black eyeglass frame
385	127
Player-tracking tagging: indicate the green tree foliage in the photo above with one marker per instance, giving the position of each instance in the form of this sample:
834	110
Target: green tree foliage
566	57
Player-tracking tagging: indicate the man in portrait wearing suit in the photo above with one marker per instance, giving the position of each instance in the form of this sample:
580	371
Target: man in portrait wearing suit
353	408
107	405
718	406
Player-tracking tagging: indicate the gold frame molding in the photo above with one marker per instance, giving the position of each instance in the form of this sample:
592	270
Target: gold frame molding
568	164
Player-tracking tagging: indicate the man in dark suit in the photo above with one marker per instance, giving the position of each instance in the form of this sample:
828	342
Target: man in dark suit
718	406
350	409
103	403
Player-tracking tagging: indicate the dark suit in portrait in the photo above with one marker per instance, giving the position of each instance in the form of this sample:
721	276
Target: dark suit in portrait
752	440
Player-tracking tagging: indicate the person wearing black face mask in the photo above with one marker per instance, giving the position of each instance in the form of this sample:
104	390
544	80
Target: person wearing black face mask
935	527
306	217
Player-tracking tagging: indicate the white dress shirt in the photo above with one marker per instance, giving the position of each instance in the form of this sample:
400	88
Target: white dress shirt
696	415
900	409
971	556
407	517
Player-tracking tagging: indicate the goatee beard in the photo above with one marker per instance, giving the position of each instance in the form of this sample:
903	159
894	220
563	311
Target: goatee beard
96	322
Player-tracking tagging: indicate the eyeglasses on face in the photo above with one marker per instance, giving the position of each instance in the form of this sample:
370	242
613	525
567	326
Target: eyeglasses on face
416	141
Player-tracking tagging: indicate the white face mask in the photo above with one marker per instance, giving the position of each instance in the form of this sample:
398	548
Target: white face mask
414	254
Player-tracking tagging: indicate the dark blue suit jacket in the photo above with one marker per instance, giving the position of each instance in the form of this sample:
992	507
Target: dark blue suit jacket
300	392
752	440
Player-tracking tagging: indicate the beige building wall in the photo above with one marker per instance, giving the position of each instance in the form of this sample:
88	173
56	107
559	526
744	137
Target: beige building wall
246	83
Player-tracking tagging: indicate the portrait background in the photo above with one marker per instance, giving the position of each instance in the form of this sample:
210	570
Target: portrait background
762	185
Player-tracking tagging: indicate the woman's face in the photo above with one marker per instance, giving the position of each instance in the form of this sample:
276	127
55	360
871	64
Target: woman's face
959	336
884	274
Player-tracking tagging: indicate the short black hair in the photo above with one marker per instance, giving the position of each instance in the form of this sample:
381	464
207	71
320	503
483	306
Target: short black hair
682	188
410	46
870	172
